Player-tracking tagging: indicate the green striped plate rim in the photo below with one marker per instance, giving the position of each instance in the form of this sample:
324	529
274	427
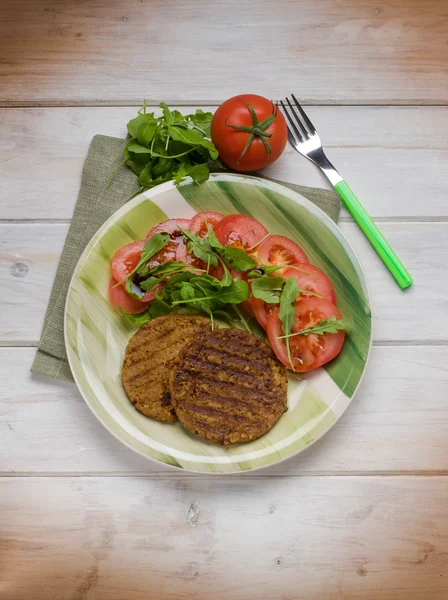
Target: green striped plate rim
96	336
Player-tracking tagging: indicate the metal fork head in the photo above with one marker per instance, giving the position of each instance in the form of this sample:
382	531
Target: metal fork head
301	132
303	137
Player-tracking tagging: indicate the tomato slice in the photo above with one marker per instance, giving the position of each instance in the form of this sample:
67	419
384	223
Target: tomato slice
240	231
309	277
119	297
280	250
176	248
171	226
262	310
200	220
126	259
308	352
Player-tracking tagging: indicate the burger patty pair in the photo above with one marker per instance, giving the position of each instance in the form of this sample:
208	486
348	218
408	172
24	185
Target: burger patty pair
225	386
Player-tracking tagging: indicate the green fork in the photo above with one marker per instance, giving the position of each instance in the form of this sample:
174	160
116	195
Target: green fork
304	138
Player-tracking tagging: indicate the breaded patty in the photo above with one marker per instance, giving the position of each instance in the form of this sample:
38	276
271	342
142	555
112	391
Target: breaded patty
228	387
150	356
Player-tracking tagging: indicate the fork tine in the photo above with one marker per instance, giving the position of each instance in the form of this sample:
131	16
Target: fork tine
304	115
293	125
299	122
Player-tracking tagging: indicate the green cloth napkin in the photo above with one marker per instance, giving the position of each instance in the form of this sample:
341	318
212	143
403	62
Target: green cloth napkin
96	203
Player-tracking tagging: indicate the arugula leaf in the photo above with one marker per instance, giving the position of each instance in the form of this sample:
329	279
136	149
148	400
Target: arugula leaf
158	308
138	148
187	136
202	120
213	240
166	113
170	267
256	328
146	132
227	277
241	317
134	290
134	124
235	258
199	173
267	288
148	284
287	311
224	316
265	270
331	325
136	320
200	247
155	243
235	293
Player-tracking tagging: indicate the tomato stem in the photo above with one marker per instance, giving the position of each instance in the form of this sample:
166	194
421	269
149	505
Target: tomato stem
256	130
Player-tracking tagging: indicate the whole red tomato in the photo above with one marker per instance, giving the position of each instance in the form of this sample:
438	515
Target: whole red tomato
249	132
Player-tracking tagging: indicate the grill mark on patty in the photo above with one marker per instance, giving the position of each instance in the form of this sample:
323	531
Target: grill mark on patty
229	386
219	356
204	368
213	412
232	349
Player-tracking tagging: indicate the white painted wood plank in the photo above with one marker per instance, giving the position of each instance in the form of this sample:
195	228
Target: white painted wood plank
299	538
398	422
342	51
419	313
395	158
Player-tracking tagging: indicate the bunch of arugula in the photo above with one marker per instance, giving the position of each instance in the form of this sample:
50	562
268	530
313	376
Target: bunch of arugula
172	146
191	289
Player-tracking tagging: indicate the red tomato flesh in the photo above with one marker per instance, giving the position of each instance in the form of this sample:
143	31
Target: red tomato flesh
240	231
119	297
280	250
126	259
171	226
311	351
200	221
262	310
176	248
311	278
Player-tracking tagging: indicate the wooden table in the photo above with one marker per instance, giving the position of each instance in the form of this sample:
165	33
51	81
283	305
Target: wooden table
362	514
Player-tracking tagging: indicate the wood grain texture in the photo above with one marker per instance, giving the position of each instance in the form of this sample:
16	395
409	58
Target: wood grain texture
395	158
340	51
341	538
398	422
30	252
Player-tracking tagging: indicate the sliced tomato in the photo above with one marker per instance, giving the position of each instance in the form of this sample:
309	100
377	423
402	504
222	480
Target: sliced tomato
176	248
240	231
308	352
262	310
200	221
311	278
119	297
126	259
280	250
171	226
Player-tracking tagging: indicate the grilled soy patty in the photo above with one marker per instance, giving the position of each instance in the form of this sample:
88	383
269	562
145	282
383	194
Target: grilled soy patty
150	356
228	387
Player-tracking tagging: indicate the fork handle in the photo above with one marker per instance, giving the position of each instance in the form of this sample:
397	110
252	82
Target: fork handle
374	235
